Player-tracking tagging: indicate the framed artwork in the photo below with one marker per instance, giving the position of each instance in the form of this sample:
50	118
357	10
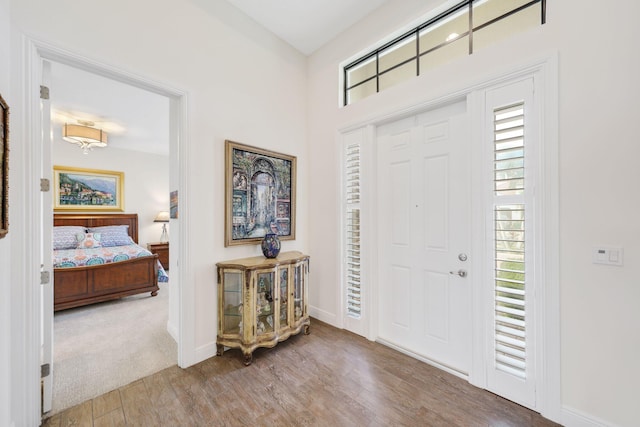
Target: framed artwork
77	189
4	168
173	204
260	194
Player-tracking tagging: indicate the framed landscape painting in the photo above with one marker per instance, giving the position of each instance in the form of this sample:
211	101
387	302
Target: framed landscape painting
77	189
260	194
173	204
4	168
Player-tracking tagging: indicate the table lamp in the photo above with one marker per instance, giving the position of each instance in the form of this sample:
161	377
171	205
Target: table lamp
164	218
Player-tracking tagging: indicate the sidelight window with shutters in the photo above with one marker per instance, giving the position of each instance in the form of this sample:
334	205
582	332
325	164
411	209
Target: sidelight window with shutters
355	282
509	237
352	231
513	140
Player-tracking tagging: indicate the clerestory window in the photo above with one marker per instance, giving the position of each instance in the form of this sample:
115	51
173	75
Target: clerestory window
460	30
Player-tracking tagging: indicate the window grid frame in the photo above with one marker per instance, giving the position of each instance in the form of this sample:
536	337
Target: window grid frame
374	54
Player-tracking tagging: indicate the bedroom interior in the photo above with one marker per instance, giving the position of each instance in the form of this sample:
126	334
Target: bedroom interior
230	75
110	327
104	346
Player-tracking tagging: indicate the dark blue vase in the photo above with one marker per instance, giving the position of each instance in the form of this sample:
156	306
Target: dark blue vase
271	245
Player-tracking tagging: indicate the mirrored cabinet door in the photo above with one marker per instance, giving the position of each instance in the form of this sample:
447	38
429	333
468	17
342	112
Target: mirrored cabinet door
298	294
265	303
232	296
283	299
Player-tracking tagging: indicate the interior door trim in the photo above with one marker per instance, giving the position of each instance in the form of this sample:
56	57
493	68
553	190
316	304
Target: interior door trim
544	70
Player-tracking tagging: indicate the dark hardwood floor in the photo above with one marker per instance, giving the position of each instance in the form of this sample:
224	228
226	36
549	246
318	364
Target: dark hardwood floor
328	378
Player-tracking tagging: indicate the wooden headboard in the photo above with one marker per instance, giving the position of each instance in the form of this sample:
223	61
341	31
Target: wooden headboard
99	220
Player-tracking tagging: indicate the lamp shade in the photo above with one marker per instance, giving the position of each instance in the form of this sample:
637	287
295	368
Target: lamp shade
84	136
162	217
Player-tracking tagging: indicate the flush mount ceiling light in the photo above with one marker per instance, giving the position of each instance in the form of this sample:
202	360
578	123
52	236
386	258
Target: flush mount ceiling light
84	135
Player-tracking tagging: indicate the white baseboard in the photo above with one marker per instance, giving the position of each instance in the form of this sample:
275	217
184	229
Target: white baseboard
173	331
204	352
324	316
574	418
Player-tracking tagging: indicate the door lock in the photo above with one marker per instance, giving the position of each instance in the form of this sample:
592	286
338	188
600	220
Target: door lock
461	273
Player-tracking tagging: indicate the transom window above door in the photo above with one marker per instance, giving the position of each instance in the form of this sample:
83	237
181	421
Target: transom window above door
460	30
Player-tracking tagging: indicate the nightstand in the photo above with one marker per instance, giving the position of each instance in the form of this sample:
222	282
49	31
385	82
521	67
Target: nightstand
162	249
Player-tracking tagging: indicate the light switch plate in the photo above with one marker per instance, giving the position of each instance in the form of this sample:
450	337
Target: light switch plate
608	255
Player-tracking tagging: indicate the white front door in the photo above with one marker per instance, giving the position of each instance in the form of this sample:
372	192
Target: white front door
423	234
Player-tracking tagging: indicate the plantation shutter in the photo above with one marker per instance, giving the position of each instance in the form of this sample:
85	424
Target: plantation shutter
352	231
509	248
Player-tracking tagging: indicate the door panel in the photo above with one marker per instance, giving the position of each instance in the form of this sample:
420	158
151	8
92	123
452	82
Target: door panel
436	209
400	227
436	320
423	208
401	317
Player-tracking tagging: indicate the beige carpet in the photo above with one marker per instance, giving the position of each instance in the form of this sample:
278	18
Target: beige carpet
101	347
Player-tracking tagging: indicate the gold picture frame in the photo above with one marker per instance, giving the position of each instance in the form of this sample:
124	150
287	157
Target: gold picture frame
260	194
4	168
79	189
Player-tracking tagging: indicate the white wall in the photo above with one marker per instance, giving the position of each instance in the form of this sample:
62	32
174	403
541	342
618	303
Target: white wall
599	151
5	243
146	180
211	51
242	83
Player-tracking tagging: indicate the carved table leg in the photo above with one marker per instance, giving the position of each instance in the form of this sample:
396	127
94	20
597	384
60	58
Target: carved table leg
248	358
306	330
220	350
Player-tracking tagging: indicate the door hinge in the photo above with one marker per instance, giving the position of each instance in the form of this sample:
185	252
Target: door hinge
45	370
45	276
45	185
44	92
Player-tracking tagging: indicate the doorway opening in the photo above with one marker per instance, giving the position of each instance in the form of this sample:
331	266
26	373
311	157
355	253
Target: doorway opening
40	57
100	347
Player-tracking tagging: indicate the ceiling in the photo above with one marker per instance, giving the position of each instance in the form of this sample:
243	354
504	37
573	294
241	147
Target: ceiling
136	119
307	24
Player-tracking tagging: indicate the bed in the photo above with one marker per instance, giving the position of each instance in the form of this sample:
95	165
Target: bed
100	265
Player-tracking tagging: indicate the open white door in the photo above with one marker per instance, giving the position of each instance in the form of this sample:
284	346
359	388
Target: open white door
46	352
